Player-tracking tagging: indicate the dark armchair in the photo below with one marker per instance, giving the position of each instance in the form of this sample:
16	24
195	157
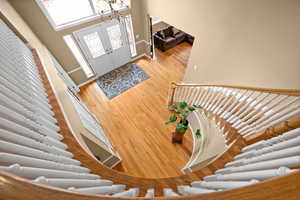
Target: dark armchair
167	39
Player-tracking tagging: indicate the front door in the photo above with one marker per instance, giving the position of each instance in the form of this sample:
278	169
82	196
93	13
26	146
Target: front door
104	45
115	34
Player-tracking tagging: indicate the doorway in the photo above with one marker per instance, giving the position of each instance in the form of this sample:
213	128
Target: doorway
105	45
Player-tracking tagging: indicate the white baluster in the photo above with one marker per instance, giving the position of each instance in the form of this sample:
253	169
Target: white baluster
293	151
207	96
200	94
133	192
270	164
276	147
26	105
276	118
67	183
10	126
187	190
221	100
216	185
238	96
9	159
20	119
244	176
227	102
179	91
252	112
32	173
31	152
217	96
189	96
150	193
258	123
246	109
104	190
168	192
18	139
264	143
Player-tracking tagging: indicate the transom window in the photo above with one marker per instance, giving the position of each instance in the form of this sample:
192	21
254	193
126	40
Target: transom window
67	13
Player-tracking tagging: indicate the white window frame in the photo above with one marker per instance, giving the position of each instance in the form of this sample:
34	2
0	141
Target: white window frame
132	44
83	20
84	65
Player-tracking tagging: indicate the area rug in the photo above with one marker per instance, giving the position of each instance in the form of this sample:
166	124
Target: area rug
121	79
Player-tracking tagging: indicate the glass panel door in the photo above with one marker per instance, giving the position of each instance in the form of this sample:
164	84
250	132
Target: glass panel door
105	45
95	48
94	44
115	36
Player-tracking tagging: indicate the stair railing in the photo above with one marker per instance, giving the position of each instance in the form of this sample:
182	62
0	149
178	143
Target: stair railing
249	110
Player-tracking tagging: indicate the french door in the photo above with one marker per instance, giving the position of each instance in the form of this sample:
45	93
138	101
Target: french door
104	45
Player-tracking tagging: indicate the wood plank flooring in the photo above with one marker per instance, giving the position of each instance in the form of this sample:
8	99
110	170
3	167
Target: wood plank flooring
134	120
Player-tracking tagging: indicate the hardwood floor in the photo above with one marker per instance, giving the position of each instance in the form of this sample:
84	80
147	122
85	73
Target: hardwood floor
134	120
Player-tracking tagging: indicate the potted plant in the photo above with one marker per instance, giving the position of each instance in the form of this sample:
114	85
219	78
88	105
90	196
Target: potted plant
182	111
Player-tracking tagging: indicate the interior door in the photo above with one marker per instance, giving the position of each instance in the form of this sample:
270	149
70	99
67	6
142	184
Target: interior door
115	35
95	48
105	46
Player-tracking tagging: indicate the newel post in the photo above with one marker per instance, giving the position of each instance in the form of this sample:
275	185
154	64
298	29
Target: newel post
171	94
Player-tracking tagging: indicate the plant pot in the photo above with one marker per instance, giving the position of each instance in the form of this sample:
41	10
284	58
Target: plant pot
177	137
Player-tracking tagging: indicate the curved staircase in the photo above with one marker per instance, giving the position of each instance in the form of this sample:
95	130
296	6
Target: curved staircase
40	158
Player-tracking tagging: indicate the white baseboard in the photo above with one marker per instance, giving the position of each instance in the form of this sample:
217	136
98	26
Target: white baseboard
88	81
74	70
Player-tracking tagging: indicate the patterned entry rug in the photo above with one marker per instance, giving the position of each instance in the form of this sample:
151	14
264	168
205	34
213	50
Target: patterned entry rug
121	79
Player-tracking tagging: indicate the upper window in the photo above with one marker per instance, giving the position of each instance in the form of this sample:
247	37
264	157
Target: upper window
66	13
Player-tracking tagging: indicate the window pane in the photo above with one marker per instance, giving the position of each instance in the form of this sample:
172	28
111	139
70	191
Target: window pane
130	33
64	11
94	44
115	36
101	6
121	4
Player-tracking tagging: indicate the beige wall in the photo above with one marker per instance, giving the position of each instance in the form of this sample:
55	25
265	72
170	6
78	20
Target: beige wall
32	14
238	42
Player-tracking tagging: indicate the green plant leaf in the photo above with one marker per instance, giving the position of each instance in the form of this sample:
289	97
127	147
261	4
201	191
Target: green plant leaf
183	105
190	108
181	128
172	119
197	106
198	133
173	107
168	122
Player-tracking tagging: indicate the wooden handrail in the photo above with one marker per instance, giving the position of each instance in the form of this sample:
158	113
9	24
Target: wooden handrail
281	188
292	92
